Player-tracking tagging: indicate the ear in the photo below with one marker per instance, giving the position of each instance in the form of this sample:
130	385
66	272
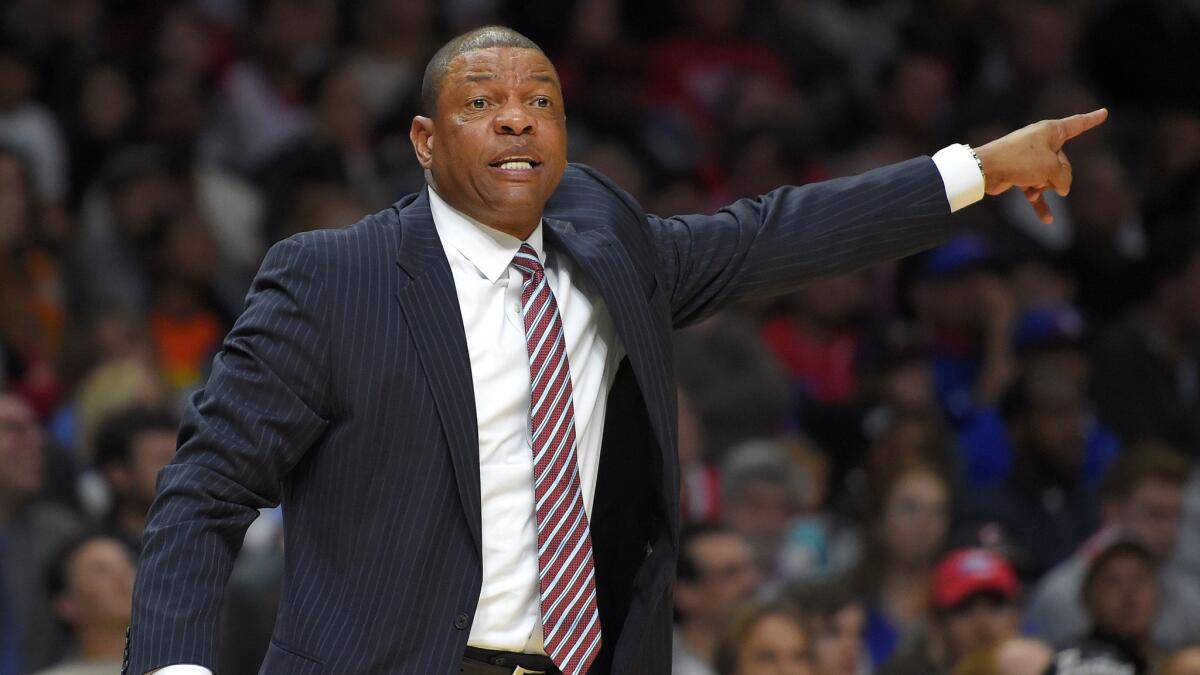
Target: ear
421	135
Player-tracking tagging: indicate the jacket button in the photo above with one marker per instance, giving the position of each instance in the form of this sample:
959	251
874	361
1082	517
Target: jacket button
462	621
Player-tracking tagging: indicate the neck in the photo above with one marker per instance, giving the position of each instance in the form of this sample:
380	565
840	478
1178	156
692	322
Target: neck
519	226
701	639
101	642
904	593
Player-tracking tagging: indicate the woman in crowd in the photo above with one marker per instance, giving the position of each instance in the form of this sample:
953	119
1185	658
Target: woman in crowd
765	639
906	532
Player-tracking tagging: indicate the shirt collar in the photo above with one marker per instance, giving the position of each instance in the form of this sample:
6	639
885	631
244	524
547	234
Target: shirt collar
488	249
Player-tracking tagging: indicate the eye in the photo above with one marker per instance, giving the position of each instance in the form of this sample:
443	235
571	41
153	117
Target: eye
477	103
542	102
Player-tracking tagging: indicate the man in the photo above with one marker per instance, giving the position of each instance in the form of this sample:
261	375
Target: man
1044	506
1147	368
716	571
1122	598
1142	498
974	599
761	493
31	532
132	446
91	584
397	384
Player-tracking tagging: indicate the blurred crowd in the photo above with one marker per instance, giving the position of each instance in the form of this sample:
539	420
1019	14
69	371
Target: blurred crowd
981	460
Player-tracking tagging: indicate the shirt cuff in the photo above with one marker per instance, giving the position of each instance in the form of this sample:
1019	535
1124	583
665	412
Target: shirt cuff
185	669
960	174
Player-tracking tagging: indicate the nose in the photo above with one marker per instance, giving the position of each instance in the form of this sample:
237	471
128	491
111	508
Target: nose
513	119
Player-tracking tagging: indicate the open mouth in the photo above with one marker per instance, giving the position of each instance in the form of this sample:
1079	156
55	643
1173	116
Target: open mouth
515	164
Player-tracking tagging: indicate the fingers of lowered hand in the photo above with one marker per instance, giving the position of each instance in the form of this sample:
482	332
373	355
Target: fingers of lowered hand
1060	176
1070	127
1040	207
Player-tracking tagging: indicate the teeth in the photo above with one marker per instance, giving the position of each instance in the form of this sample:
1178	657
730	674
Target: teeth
517	165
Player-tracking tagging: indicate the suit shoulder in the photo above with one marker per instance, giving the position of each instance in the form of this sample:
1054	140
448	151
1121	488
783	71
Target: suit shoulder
584	187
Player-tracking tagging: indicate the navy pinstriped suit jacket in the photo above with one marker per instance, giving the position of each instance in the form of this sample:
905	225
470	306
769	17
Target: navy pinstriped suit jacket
344	392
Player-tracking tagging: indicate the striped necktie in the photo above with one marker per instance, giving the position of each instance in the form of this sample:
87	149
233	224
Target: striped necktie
566	575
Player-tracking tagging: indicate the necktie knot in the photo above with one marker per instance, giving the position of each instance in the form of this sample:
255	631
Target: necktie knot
527	262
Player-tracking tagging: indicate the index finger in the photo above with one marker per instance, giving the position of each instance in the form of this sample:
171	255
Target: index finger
1070	127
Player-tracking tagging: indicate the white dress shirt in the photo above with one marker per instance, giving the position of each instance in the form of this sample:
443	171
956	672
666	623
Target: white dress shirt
489	297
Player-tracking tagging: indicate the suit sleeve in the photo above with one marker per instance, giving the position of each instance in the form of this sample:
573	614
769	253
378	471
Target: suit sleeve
778	241
263	408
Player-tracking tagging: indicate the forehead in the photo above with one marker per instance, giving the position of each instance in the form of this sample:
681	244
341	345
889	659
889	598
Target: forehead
499	63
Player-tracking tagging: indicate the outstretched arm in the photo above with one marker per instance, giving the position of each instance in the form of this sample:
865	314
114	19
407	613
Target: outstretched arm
792	235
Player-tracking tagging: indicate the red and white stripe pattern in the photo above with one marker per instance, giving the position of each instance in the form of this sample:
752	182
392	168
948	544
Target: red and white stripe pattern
566	574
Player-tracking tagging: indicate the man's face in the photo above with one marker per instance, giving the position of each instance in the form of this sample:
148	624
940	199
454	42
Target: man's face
497	145
838	641
977	622
1153	513
1123	597
726	576
762	513
22	458
151	451
99	585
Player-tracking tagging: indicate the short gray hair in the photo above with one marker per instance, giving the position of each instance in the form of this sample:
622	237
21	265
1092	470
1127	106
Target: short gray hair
480	38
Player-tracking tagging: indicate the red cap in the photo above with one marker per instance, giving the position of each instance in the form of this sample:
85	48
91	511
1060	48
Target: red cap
969	571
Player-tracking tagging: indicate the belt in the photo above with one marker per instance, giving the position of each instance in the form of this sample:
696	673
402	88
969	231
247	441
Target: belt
478	661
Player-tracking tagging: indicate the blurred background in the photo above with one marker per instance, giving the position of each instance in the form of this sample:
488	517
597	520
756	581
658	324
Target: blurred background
896	471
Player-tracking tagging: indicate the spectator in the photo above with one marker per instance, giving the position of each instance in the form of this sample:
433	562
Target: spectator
765	639
974	596
1109	241
33	315
1044	507
30	533
965	315
396	42
1142	498
1122	598
834	618
821	341
186	319
29	126
1147	368
263	96
906	532
734	383
715	573
761	494
132	445
91	584
1051	340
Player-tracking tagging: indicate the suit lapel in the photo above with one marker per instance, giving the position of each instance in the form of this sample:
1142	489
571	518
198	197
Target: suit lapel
604	261
430	304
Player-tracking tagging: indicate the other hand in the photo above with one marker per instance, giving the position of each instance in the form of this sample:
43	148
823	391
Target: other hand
1032	158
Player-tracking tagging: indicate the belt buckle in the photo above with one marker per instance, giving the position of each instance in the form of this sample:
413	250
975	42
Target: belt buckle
522	671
